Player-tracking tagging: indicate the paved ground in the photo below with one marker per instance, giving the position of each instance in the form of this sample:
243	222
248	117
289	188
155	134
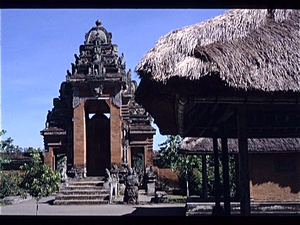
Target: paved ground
46	209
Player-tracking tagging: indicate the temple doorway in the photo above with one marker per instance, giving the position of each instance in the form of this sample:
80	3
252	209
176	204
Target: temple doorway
98	144
138	163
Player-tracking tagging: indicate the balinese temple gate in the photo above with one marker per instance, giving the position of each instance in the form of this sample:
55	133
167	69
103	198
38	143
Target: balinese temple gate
95	122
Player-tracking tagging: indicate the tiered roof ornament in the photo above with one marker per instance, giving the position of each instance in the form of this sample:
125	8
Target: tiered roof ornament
98	58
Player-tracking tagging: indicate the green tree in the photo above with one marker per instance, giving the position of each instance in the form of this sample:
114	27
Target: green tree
39	179
6	146
190	168
3	157
186	166
9	184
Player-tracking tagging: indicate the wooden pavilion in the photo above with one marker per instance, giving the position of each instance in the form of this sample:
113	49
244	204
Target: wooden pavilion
233	76
279	158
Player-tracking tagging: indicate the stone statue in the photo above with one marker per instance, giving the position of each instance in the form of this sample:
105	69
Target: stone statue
120	60
112	182
49	118
77	58
63	170
131	195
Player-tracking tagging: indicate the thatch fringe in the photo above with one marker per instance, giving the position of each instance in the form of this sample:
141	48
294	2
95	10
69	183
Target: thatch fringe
248	49
262	145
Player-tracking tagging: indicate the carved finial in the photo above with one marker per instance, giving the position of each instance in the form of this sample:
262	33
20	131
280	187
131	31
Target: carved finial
98	23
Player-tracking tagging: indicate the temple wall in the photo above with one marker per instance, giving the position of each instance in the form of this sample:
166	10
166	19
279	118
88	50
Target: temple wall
148	156
115	134
274	176
80	136
49	158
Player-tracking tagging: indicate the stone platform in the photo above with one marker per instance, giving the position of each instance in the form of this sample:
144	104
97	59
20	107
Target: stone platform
205	208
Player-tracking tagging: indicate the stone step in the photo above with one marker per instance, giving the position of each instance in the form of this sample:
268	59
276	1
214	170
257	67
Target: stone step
81	202
142	192
82	197
83	187
98	178
84	192
87	183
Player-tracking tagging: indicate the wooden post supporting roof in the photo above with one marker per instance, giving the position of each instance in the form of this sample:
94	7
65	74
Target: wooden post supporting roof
217	210
204	176
243	160
225	176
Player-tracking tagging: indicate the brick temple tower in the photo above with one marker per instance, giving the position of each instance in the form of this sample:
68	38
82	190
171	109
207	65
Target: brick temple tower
95	121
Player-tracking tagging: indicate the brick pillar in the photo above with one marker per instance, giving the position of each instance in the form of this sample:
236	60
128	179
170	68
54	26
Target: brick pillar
80	138
148	157
115	134
48	158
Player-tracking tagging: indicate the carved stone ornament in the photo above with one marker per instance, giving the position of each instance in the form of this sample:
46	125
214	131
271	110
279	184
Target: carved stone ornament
97	89
76	99
98	34
131	195
117	100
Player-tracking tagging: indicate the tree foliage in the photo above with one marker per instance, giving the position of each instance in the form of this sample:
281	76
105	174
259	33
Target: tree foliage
190	167
7	146
10	184
39	179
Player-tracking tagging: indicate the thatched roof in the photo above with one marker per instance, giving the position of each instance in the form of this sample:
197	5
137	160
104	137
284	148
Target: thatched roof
256	49
255	145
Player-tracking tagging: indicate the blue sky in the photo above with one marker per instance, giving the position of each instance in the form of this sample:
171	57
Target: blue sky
38	46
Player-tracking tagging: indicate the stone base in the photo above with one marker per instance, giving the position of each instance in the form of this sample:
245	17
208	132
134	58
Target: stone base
77	173
150	188
160	197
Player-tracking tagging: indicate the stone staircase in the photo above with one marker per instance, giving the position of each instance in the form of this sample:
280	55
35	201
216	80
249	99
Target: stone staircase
88	191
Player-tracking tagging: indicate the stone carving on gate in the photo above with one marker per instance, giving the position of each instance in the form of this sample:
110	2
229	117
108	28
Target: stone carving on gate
98	56
96	89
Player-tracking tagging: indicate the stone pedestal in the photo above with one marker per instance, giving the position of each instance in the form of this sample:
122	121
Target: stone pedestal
150	180
160	197
151	187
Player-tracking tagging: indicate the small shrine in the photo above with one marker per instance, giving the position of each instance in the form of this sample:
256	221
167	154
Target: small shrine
95	122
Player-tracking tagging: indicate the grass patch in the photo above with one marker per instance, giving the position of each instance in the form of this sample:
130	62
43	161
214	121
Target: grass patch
177	199
1	202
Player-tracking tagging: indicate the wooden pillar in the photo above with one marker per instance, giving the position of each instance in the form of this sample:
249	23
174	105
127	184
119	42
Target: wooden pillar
225	176
204	176
243	161
80	137
217	210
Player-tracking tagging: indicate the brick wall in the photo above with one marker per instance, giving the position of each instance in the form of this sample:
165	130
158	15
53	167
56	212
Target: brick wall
275	177
115	133
79	136
167	176
48	158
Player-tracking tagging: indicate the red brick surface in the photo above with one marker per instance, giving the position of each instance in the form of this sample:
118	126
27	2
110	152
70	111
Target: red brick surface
268	183
79	136
115	134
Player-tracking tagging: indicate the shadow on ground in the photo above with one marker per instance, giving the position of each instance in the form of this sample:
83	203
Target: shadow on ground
158	211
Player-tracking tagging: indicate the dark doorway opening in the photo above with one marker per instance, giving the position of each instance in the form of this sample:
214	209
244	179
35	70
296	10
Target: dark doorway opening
98	145
138	163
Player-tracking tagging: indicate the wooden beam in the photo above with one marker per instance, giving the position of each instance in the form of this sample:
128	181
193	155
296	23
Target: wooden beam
243	160
225	176
248	100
